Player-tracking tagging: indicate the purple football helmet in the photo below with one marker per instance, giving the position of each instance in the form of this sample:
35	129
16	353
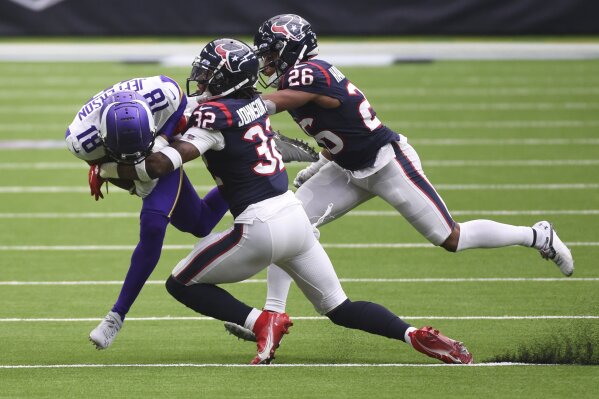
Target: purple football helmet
127	127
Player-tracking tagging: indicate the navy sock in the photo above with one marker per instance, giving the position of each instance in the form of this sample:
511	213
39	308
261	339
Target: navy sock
209	300
143	261
370	317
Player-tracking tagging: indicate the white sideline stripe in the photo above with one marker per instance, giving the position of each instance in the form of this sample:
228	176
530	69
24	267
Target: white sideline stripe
428	163
447	187
305	318
131	215
190	246
49	144
276	365
343	280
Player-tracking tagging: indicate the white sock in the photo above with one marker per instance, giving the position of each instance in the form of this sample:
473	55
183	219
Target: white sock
490	234
407	335
278	282
251	319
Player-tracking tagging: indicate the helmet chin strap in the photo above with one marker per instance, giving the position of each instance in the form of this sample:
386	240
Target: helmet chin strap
278	73
224	93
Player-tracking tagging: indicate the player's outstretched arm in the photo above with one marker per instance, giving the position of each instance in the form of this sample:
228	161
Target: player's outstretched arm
286	99
154	166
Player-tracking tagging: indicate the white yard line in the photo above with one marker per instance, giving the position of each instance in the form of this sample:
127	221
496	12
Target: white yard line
276	365
343	280
427	164
478	106
135	215
305	318
388	105
446	187
59	144
190	246
405	124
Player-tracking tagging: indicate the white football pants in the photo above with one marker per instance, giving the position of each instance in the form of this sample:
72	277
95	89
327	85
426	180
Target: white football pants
401	183
284	237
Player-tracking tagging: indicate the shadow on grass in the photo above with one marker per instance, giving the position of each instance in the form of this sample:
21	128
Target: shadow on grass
580	346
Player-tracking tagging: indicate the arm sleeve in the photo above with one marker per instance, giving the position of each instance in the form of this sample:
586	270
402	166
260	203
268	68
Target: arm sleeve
204	139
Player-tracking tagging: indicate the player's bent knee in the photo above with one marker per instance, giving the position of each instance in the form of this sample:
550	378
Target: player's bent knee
174	287
451	243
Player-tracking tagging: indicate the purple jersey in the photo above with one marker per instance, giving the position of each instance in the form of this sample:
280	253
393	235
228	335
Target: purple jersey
351	132
250	168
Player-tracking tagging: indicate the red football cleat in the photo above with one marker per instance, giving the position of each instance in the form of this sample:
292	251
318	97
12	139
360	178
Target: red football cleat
432	343
269	330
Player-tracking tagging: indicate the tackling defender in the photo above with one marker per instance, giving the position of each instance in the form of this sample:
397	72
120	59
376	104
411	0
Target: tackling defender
232	133
107	127
362	158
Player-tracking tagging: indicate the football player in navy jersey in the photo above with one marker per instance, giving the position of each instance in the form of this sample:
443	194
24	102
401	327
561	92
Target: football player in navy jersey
362	158
114	124
232	132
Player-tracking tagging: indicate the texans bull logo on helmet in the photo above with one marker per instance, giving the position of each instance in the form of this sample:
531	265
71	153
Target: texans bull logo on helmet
233	55
289	25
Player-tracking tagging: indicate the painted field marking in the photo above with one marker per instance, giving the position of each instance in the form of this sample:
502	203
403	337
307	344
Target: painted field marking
135	215
343	280
406	124
446	187
306	318
276	365
445	163
188	247
59	144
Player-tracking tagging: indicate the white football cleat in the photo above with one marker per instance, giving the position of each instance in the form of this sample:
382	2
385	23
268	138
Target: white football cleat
103	335
240	331
551	247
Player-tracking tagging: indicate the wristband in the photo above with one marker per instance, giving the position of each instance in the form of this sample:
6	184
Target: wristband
142	174
271	107
173	155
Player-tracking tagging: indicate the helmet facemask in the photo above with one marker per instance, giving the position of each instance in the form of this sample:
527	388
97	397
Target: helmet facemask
223	67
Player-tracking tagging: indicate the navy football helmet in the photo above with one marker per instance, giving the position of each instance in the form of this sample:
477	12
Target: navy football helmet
283	41
127	127
224	66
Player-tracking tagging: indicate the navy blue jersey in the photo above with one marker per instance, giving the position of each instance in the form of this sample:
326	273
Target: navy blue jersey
249	169
351	132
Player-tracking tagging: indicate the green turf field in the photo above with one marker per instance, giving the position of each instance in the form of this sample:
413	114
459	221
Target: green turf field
515	142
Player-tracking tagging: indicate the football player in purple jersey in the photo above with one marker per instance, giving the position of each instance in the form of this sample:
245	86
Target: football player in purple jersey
115	125
362	158
232	132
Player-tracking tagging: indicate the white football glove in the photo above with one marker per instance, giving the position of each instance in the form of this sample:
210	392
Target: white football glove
306	173
143	188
